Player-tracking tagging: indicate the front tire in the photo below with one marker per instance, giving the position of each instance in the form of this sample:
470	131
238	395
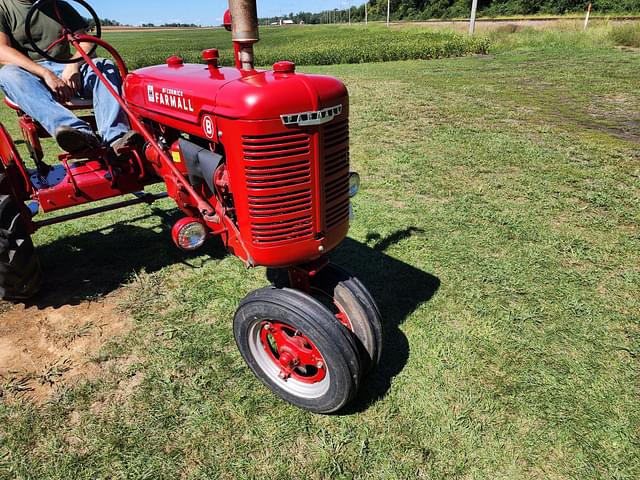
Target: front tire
354	307
20	273
298	349
350	302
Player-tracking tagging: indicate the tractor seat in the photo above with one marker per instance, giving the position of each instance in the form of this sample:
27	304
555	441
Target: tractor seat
73	104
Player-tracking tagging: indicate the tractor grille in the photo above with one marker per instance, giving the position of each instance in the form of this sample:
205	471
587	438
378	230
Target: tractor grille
279	182
336	173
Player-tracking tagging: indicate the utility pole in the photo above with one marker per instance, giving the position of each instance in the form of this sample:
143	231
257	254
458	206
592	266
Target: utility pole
349	12
366	13
389	12
472	22
586	20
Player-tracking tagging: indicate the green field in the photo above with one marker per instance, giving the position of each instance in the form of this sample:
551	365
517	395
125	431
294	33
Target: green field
499	230
309	45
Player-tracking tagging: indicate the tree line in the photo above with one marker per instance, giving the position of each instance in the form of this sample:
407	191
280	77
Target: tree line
106	22
171	25
443	9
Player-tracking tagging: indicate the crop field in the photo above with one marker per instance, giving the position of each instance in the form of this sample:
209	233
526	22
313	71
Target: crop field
498	228
309	45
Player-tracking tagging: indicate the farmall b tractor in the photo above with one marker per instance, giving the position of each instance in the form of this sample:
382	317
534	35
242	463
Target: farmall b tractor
259	158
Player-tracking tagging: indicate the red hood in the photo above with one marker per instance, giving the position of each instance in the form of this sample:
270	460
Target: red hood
188	91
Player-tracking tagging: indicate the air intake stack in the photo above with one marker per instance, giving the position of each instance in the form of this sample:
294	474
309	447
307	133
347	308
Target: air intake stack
244	16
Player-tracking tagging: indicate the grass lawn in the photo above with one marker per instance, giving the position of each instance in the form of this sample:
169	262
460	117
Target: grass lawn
498	228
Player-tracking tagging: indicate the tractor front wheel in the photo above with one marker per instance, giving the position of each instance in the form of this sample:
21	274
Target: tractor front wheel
350	302
298	349
354	307
20	274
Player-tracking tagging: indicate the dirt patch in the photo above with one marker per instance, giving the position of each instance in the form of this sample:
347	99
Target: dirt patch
624	48
517	24
626	130
608	121
42	350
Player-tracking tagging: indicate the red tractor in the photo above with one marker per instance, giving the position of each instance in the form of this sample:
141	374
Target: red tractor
259	158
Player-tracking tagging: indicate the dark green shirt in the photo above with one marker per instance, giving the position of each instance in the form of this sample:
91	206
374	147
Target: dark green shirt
45	28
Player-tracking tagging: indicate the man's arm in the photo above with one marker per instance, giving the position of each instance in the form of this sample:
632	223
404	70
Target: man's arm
71	74
11	56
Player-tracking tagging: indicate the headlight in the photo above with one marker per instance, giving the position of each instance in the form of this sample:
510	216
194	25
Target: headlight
354	184
189	234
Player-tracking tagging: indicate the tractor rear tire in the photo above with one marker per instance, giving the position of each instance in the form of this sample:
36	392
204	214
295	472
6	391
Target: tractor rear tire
20	272
298	349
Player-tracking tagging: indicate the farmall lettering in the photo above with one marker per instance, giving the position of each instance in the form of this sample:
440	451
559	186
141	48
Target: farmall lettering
170	98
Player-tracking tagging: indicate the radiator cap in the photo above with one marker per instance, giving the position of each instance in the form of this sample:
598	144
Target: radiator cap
210	54
175	61
284	67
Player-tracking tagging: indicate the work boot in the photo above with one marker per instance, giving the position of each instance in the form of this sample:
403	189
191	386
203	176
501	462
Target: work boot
129	139
73	140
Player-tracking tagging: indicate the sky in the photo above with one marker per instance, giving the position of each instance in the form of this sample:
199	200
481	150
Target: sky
202	12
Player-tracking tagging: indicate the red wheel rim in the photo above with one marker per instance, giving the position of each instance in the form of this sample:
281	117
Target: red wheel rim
342	316
295	355
333	305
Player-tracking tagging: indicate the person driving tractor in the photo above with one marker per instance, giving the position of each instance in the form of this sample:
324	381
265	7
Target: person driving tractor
41	87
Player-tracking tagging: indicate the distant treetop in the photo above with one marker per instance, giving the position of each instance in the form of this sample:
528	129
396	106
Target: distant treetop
442	9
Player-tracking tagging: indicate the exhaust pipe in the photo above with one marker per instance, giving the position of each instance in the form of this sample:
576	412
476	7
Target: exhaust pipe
244	16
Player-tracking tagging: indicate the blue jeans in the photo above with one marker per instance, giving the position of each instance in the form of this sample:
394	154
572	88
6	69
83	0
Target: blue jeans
37	101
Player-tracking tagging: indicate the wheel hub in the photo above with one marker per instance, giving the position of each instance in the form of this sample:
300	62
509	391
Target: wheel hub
288	362
295	355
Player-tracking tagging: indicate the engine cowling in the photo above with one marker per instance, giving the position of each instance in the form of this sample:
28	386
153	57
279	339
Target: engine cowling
285	138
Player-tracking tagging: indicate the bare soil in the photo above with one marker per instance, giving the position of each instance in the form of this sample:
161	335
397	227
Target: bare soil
519	23
43	349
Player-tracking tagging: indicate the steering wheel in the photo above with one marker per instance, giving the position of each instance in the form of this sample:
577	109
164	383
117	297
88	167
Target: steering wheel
65	30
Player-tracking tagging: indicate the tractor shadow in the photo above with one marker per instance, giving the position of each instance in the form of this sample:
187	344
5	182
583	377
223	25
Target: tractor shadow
93	264
399	289
84	267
